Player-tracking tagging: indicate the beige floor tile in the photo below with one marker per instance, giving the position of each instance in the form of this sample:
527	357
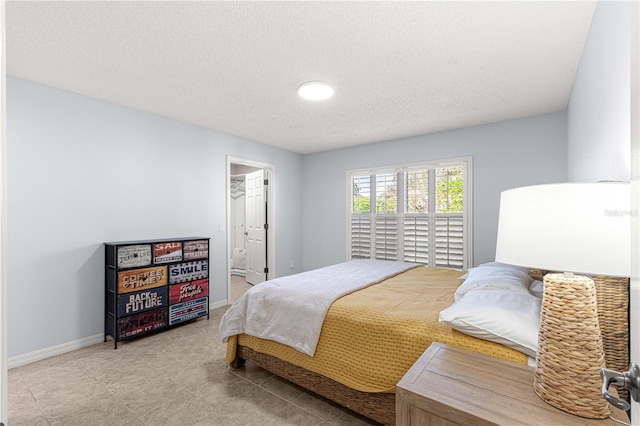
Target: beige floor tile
177	377
23	408
25	418
52	369
56	400
221	391
252	372
283	388
98	413
142	395
15	379
185	409
198	377
238	287
21	400
110	369
246	404
319	406
16	383
353	419
291	416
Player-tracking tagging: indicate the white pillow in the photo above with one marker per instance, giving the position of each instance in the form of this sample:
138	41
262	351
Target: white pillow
504	317
494	277
506	265
536	288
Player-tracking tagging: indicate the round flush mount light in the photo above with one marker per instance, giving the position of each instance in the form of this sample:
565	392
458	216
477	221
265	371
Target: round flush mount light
315	90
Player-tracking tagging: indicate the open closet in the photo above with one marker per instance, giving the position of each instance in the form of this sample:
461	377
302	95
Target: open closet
237	228
242	198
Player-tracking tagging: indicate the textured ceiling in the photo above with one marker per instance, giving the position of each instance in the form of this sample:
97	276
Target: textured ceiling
399	68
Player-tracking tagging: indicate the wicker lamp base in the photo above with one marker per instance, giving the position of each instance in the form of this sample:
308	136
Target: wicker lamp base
570	351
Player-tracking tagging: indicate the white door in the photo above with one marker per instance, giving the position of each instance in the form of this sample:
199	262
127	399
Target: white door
255	221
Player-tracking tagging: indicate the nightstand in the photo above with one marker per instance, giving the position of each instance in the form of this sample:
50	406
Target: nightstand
451	386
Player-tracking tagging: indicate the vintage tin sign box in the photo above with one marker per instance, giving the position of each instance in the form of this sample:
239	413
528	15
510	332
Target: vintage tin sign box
188	271
134	256
188	291
131	303
198	249
167	252
188	310
142	279
141	323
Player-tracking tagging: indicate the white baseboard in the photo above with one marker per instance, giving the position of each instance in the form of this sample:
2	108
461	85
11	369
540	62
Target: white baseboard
28	358
40	354
218	304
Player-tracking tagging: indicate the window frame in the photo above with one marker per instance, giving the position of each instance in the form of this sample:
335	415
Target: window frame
467	215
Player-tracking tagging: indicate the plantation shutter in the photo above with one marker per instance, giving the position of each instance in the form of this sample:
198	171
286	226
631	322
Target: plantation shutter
418	213
449	243
360	237
416	239
387	238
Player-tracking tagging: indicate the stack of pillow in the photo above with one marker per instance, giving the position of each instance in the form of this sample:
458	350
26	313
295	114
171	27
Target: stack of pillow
499	303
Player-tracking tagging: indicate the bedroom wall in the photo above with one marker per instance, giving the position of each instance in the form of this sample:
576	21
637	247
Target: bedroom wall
598	113
82	172
505	155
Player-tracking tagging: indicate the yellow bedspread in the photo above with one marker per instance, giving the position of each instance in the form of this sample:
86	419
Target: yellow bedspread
371	337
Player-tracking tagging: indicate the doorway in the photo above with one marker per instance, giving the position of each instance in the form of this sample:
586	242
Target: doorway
250	226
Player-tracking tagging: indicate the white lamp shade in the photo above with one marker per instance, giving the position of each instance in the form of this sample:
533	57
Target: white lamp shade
569	227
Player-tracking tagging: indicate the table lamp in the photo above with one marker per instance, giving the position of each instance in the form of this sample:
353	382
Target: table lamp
579	228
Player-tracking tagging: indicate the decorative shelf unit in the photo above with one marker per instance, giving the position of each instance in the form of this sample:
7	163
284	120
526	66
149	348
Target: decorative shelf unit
151	285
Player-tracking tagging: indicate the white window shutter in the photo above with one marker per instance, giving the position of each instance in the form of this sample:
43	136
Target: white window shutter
387	237
360	237
419	213
449	242
416	239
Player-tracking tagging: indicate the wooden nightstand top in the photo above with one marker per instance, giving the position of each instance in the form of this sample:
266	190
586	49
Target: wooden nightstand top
461	387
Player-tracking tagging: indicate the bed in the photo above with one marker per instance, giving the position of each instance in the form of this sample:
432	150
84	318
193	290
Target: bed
369	339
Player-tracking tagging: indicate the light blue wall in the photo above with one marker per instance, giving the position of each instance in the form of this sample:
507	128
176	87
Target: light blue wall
505	155
82	172
598	126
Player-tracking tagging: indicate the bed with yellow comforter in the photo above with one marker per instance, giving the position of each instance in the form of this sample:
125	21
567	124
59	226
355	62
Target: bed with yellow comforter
371	337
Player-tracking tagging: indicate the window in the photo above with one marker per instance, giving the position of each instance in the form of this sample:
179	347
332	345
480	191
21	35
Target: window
417	213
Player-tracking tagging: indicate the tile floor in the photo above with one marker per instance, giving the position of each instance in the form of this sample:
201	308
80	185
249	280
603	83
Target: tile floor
177	377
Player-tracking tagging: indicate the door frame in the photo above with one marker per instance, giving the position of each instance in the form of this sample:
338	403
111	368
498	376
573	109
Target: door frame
271	231
4	390
634	341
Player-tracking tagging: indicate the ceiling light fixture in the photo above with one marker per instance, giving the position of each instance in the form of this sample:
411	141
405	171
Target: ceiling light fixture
315	90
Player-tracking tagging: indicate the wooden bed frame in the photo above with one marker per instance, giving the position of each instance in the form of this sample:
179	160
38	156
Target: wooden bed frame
613	313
